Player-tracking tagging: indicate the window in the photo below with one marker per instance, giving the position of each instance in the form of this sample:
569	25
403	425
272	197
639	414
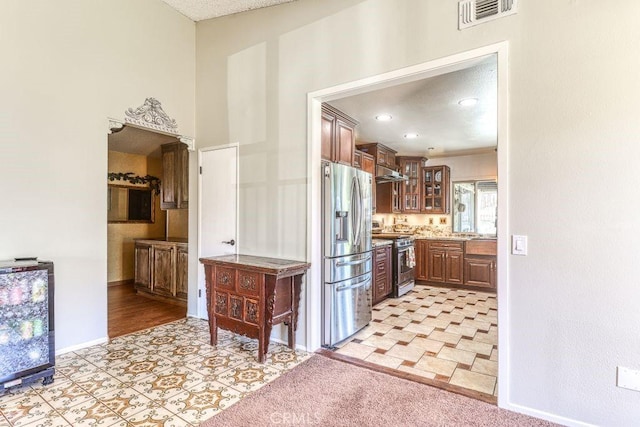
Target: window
475	207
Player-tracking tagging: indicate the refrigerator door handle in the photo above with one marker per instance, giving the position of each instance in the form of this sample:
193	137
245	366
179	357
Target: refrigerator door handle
356	203
358	284
358	262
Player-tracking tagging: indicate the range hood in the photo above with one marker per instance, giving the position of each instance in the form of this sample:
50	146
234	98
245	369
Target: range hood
384	174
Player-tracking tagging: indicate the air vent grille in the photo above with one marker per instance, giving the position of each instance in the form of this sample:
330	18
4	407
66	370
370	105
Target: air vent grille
474	12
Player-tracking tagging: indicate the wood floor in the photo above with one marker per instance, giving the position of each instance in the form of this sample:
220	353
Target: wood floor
129	312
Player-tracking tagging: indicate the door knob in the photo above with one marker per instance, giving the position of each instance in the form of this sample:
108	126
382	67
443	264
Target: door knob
229	242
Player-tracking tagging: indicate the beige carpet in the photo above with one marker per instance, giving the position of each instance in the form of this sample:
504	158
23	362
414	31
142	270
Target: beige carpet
326	392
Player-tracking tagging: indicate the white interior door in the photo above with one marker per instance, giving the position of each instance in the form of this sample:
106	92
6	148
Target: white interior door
218	219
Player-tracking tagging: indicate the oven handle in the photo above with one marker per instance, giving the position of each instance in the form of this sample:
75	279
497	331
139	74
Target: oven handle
358	262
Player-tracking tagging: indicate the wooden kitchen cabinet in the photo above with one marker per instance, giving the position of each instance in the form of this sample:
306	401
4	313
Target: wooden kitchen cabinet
410	200
175	176
435	189
161	270
366	162
421	270
383	155
480	263
445	259
143	254
382	274
338	136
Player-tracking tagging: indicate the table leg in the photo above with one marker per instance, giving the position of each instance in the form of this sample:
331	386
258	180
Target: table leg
293	324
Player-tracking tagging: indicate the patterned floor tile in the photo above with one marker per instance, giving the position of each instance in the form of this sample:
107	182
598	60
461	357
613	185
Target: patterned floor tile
474	381
26	409
249	376
283	358
162	385
90	413
433	332
198	403
125	402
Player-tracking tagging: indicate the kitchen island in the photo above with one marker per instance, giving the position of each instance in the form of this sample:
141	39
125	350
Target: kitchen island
249	294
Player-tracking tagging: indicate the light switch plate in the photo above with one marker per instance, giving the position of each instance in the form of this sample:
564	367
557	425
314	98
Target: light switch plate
518	245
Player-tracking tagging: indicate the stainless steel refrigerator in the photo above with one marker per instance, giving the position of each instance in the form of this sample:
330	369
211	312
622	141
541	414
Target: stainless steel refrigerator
346	251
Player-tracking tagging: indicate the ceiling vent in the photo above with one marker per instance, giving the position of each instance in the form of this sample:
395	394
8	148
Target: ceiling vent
474	12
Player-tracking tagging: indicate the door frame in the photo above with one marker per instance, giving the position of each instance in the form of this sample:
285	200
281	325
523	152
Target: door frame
200	275
411	73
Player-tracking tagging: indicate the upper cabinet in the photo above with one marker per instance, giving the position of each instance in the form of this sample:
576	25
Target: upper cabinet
410	190
175	180
383	155
338	136
435	189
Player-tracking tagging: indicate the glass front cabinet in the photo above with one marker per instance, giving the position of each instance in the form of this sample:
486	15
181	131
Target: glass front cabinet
410	190
435	189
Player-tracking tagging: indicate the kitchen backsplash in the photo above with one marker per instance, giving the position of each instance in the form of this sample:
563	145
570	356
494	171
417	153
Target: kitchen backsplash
424	225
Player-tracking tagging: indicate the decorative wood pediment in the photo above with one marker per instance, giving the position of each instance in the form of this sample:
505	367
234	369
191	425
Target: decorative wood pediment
151	116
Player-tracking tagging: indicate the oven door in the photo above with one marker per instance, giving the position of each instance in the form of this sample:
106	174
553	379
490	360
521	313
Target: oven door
406	263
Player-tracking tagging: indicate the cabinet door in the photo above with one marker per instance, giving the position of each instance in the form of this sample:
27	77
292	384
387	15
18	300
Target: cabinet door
479	272
422	261
435	190
168	194
143	254
357	159
182	262
327	136
410	189
345	141
454	267
183	177
437	265
163	267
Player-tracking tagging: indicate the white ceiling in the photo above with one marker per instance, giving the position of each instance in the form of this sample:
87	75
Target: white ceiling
198	10
430	108
133	140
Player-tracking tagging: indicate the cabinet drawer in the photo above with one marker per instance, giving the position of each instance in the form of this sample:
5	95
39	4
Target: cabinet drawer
381	269
249	283
225	278
381	253
481	247
446	244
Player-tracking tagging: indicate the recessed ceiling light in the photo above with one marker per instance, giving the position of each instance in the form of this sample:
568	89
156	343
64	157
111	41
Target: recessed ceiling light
411	135
384	117
431	148
468	102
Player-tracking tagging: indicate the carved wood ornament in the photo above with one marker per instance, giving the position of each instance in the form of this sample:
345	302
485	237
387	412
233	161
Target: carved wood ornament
150	115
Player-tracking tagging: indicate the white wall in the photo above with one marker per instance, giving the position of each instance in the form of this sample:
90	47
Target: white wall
574	140
469	167
67	66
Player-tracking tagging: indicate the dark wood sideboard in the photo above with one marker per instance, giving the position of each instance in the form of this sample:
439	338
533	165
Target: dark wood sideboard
249	294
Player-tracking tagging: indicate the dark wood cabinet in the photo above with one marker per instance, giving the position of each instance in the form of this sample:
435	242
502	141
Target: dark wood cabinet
435	189
410	200
480	263
161	270
175	176
445	261
337	136
421	270
386	196
381	273
248	295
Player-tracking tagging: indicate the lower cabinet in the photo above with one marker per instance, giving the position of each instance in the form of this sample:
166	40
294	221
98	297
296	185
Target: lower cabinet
381	273
161	270
446	262
465	263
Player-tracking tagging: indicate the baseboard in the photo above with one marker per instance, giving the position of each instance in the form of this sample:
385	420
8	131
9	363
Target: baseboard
546	416
81	346
120	283
279	341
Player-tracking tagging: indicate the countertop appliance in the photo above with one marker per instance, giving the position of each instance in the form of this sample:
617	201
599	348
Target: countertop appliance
346	251
27	351
403	262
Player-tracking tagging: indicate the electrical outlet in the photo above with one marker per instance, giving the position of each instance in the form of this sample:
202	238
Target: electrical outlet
628	378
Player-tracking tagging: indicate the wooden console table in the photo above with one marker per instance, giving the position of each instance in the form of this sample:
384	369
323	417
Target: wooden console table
249	294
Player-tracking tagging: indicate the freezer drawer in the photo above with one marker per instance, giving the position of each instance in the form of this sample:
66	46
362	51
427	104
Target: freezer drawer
347	308
345	267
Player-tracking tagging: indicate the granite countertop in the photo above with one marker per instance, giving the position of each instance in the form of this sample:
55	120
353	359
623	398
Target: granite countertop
380	242
455	238
267	265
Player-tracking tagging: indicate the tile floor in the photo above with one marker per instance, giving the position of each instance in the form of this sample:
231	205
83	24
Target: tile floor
164	376
447	335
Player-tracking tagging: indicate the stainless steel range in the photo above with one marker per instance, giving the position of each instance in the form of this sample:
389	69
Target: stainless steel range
403	261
